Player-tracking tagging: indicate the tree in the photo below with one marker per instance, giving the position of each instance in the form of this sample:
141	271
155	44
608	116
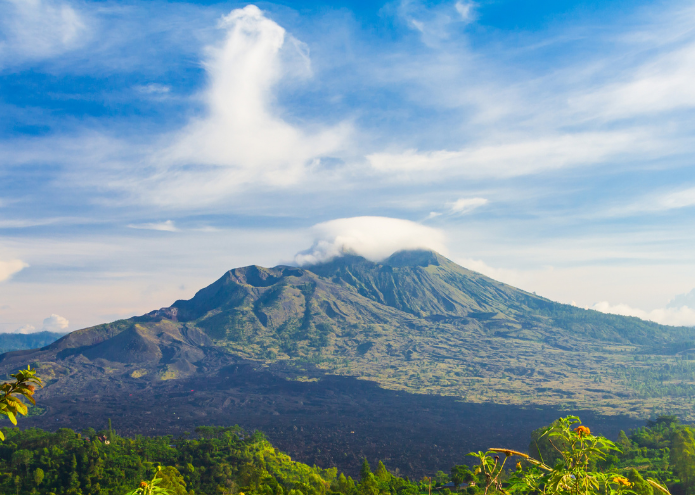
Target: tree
461	474
38	476
683	456
365	470
368	484
173	481
11	403
441	477
23	457
381	473
624	442
639	486
345	485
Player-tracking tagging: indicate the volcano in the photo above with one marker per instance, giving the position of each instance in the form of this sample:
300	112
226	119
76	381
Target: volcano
312	354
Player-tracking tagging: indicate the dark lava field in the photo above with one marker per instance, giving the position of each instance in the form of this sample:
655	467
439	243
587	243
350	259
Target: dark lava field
335	421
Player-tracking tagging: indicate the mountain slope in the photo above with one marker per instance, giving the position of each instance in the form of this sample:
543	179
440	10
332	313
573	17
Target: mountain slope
19	341
415	322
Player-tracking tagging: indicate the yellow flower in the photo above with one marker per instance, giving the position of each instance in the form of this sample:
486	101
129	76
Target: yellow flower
582	430
143	484
621	481
518	466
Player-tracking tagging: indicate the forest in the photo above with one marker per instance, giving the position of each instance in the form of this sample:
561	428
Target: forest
228	460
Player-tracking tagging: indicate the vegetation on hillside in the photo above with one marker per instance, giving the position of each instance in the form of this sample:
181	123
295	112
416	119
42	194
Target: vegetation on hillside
564	459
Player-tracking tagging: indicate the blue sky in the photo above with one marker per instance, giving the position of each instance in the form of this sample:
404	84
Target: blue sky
147	147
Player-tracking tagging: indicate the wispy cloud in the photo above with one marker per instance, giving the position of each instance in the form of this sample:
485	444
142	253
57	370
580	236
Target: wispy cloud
167	226
37	29
656	203
465	9
466	205
681	316
154	89
513	159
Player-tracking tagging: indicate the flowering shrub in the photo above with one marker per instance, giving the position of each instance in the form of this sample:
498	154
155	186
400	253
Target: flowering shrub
150	487
572	474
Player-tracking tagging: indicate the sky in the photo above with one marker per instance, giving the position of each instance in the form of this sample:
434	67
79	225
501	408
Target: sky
148	147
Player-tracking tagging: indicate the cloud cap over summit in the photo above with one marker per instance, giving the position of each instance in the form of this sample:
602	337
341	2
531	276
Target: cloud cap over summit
374	238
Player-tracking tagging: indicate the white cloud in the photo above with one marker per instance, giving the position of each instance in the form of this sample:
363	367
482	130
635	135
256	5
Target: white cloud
242	139
167	226
465	205
465	9
659	202
666	316
25	329
434	23
375	238
677	199
9	268
37	29
515	158
662	83
153	89
55	323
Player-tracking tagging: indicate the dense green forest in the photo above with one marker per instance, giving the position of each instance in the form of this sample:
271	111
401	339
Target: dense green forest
228	460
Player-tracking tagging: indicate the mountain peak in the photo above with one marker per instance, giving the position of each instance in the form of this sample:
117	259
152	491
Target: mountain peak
412	258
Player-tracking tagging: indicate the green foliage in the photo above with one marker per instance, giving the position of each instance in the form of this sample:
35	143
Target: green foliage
461	474
11	403
683	457
381	473
365	470
38	476
574	473
639	486
218	461
167	481
546	445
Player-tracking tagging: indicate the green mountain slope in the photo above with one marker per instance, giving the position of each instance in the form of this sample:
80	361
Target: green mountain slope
415	322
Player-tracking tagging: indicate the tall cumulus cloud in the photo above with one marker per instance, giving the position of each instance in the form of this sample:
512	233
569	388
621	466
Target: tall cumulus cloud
242	138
